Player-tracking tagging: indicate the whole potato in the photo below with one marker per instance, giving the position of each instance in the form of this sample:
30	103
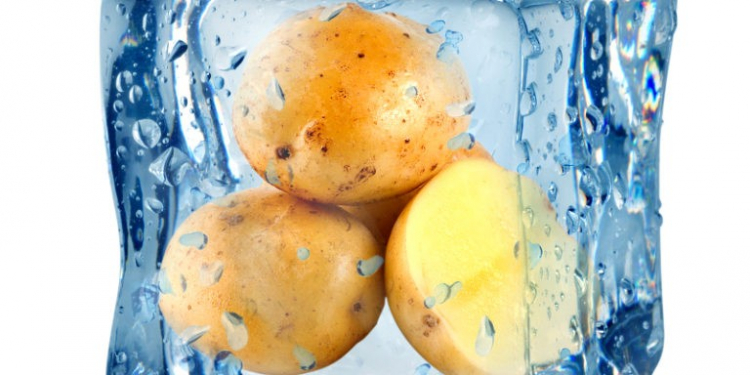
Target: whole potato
286	285
344	106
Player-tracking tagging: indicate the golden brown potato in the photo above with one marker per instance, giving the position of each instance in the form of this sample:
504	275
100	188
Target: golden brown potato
286	285
380	216
353	109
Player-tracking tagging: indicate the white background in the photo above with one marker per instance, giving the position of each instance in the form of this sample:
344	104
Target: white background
59	259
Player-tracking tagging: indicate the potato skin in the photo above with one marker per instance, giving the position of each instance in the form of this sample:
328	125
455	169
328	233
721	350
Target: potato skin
350	130
320	303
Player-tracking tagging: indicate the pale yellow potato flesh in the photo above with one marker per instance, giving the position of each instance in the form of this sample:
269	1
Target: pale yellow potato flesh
364	115
478	224
278	282
380	216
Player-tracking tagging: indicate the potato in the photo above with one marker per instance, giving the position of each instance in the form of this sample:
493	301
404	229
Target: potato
380	216
286	285
353	109
468	273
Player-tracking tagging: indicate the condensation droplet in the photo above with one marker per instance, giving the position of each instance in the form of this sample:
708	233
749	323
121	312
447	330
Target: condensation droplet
146	133
178	49
275	95
331	12
462	141
303	253
535	254
118	106
627	293
368	267
191	334
485	338
235	330
123	81
531	293
305	358
411	92
558	59
551	122
210	274
454	289
197	240
135	94
558	252
430	302
435	27
441	293
528	217
460	109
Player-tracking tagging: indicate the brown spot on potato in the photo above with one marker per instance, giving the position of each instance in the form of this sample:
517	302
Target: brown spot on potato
391	74
361	55
357	307
365	173
233	220
407	140
407	35
283	152
430	321
324	149
433	167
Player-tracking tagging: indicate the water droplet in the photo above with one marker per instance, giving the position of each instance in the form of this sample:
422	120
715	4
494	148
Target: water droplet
485	338
119	125
454	289
571	220
117	106
529	100
135	95
567	10
422	369
170	167
230	58
575	328
375	4
580	282
121	152
226	363
516	249
217	40
453	37
430	302
218	82
303	253
558	252
183	283
121	9
551	122
627	293
531	293
597	50
368	267
275	95
441	293
535	43
331	12
571	114
146	133
547	230
210	274
535	254
123	81
460	109
447	52
197	240
461	141
305	359
601	269
528	218
552	192
411	92
600	328
557	276
165	286
435	27
178	49
271	174
558	59
191	334
235	329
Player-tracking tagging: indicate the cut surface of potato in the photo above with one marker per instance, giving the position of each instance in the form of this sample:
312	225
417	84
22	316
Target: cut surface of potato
286	285
343	105
467	270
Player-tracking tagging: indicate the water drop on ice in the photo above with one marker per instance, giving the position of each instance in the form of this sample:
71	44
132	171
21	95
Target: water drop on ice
121	152
331	12
210	274
135	94
558	59
191	334
535	254
226	363
552	192
178	49
375	4
462	141
529	100
368	267
485	338
146	133
435	27
275	95
123	81
303	253
441	293
460	109
305	358
197	240
117	106
597	50
235	330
